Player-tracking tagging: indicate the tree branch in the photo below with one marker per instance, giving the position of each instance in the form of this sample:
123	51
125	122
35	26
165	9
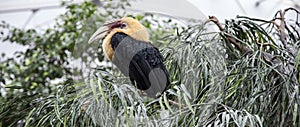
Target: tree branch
242	48
269	58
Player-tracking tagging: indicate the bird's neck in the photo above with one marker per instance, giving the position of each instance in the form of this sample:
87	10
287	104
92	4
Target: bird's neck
117	38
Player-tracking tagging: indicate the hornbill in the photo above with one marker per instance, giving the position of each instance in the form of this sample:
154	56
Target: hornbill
126	43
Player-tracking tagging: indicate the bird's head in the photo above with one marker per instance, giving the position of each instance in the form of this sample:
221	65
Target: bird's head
126	25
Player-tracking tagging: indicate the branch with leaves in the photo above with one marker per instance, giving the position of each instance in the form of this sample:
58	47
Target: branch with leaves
272	59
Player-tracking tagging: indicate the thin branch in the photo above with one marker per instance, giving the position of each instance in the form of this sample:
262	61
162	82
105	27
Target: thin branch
262	44
269	58
256	19
242	48
177	104
281	29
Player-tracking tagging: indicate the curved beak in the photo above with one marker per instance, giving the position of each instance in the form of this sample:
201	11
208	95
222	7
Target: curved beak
102	31
99	34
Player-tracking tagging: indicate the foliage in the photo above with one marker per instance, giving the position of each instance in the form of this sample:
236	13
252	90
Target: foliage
55	57
265	80
35	74
245	75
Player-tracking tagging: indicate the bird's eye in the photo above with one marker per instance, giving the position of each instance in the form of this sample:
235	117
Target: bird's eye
123	25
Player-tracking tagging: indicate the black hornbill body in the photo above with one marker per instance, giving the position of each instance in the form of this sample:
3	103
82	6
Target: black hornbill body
126	44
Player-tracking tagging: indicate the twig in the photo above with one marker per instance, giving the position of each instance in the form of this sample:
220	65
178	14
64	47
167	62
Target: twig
176	103
269	58
256	19
281	29
242	48
262	44
216	21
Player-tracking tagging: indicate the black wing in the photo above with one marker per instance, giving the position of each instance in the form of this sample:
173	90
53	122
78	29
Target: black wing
142	62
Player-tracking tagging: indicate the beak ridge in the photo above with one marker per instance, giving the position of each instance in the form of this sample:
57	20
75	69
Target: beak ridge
99	34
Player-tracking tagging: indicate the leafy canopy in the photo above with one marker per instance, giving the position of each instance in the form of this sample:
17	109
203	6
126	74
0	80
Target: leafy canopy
245	75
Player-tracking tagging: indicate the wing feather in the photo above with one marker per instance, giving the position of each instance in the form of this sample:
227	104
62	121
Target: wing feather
141	61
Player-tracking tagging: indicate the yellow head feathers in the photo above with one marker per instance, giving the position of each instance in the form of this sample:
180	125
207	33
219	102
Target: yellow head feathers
133	28
126	25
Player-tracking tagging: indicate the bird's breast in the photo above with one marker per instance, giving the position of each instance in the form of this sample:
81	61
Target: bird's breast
125	49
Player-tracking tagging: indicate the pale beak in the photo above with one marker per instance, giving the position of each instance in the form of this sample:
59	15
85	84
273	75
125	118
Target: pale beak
99	34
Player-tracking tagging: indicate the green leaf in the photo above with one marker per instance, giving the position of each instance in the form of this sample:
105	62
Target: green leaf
188	103
28	118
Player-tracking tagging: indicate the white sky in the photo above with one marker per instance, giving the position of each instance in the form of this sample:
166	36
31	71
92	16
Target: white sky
198	9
